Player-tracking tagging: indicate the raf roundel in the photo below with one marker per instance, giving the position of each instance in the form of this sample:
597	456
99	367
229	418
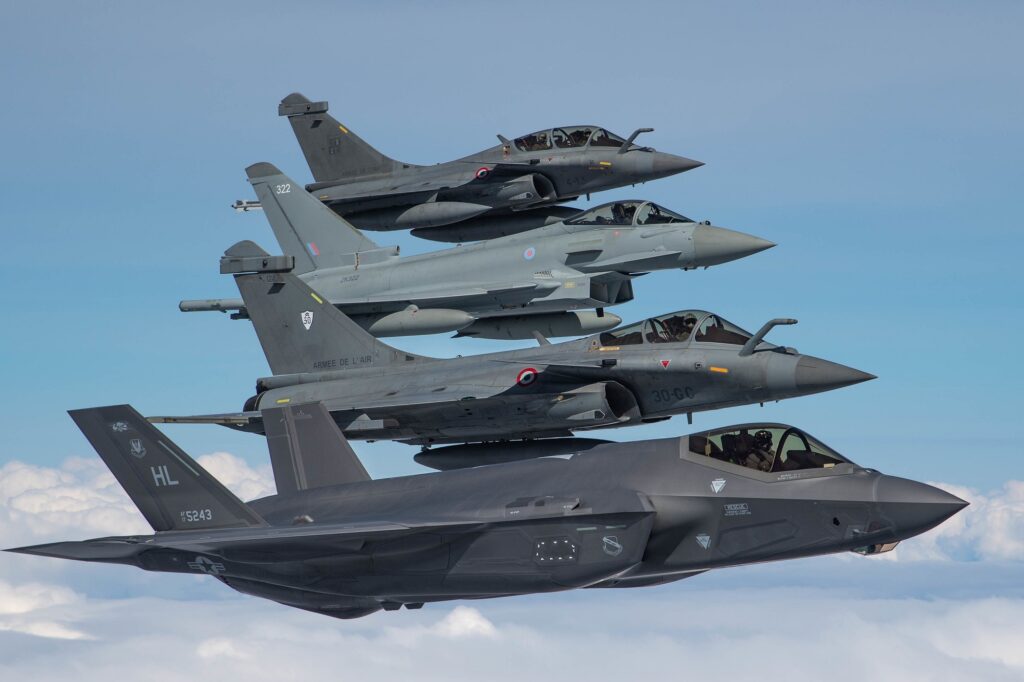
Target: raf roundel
482	172
529	253
526	376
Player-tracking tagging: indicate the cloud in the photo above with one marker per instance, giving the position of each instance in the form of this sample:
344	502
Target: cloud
736	633
991	529
463	622
27	609
81	498
805	620
218	647
245	481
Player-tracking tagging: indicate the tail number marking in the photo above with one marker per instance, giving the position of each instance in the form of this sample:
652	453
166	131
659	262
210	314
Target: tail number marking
282	189
196	515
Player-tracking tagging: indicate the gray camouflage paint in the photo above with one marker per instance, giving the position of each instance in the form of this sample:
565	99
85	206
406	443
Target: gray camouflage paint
376	391
547	279
503	185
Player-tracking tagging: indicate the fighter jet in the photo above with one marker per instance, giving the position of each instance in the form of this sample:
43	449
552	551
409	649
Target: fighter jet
333	541
546	280
510	187
679	363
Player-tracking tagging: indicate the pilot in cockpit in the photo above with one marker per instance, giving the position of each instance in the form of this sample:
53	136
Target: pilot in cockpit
622	214
680	327
762	450
750	451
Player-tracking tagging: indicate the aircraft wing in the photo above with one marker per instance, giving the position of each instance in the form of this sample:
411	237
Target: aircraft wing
421	188
583	371
282	542
438	297
306	543
371	409
503	169
442	296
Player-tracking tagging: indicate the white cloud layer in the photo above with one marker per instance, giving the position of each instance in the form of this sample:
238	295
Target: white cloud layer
992	528
741	634
806	620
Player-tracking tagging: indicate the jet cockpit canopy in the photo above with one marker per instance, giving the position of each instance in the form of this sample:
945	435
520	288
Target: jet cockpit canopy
766	447
567	138
628	213
680	327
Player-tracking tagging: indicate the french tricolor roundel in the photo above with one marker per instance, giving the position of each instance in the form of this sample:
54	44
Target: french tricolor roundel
526	376
482	172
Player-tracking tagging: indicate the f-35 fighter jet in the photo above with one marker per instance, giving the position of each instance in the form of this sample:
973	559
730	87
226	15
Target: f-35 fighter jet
679	363
546	280
511	187
334	542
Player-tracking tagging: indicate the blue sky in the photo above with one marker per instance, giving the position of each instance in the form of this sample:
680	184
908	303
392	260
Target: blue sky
877	143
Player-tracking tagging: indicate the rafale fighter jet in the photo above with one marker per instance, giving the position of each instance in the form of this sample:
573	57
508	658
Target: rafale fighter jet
678	363
511	187
546	280
334	542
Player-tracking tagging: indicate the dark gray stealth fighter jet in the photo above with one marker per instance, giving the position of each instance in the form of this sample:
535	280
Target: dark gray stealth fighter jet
679	363
504	189
334	542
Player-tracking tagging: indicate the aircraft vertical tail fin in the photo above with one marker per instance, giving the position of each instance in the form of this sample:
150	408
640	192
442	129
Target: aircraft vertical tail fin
332	151
301	331
308	450
305	228
170	489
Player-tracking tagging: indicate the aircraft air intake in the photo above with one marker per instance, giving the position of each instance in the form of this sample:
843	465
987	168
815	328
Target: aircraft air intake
601	403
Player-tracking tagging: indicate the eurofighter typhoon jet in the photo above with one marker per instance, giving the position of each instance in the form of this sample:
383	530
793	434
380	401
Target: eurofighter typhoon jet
507	188
333	541
548	280
678	363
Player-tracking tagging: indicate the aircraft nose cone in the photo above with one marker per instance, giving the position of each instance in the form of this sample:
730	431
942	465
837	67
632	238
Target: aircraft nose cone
715	245
814	375
669	164
914	507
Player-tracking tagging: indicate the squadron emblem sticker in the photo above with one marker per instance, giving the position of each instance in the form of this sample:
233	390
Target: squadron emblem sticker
307	319
611	545
137	448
